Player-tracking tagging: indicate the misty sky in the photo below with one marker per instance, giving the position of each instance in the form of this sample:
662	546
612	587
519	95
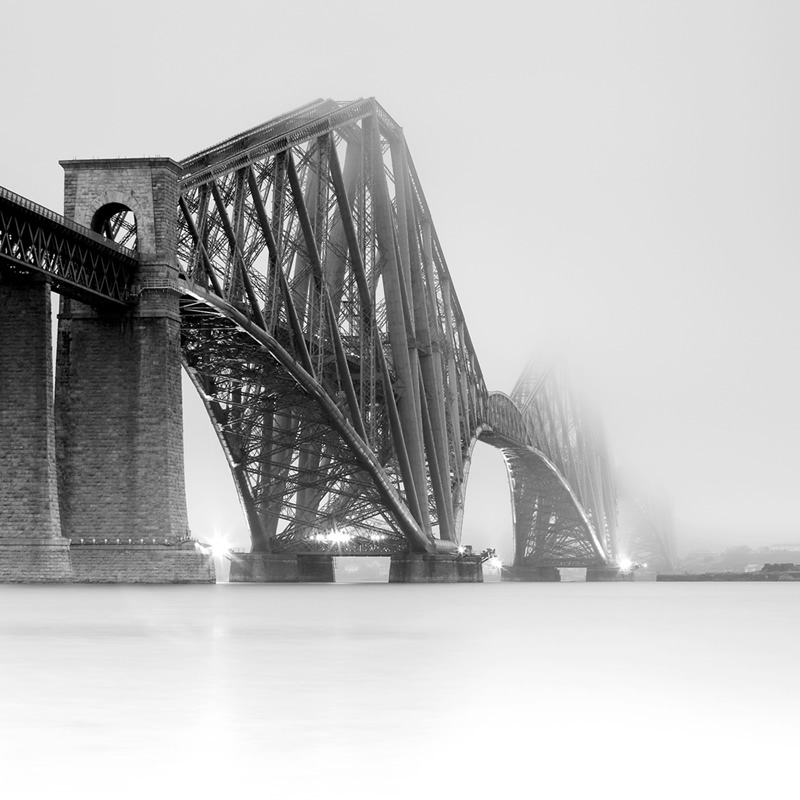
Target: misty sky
617	181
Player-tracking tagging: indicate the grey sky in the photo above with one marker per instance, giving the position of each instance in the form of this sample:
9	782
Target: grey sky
617	180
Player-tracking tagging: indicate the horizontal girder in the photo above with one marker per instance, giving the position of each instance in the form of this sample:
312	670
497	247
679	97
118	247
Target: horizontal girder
74	260
293	128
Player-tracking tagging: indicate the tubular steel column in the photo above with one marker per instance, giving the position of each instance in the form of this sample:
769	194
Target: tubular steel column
404	354
434	426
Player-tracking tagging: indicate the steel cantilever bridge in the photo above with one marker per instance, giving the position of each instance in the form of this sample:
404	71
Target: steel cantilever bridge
322	330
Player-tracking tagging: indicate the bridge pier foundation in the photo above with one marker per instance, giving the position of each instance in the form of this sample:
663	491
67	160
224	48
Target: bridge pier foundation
525	574
440	568
32	549
281	568
263	568
315	568
605	574
470	569
140	562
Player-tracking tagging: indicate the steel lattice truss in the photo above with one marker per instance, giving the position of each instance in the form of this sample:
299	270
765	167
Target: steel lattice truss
646	527
565	498
322	331
75	261
324	334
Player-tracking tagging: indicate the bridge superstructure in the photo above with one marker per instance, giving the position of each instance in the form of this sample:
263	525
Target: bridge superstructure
296	272
646	525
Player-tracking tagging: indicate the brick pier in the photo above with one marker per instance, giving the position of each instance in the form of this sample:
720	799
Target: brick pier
105	461
32	549
119	408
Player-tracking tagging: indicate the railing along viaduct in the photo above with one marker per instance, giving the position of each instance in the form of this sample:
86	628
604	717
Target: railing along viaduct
295	273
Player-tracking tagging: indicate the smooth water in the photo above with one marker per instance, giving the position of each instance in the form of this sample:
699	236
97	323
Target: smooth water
376	690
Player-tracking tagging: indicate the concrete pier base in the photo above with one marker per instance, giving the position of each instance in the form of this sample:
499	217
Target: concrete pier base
470	569
523	574
421	568
315	569
605	574
263	568
281	568
141	563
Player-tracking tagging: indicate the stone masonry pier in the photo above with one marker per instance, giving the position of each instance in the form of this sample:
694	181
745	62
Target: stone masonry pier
32	549
103	459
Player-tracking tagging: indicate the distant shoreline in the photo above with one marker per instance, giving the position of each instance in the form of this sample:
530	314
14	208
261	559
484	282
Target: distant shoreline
759	577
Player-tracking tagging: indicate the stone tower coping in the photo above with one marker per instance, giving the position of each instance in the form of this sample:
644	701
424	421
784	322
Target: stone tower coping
110	163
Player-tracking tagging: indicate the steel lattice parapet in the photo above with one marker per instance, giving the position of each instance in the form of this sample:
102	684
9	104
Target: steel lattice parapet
77	262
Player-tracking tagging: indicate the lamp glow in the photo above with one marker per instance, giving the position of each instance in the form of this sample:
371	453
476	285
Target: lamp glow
495	564
220	546
339	537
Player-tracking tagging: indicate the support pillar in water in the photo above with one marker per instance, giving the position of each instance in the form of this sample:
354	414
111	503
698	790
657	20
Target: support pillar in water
525	574
32	549
605	574
440	568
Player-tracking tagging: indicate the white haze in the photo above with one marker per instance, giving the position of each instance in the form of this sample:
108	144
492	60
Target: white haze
618	180
362	692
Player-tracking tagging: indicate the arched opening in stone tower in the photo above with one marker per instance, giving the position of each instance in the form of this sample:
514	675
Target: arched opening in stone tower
117	222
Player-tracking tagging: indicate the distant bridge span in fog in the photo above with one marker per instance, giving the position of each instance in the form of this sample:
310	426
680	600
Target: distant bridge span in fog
295	273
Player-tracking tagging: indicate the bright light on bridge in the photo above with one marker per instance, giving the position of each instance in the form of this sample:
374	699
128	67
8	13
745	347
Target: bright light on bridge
220	546
495	564
339	537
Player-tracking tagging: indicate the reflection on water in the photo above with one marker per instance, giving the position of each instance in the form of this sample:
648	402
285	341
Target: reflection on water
380	690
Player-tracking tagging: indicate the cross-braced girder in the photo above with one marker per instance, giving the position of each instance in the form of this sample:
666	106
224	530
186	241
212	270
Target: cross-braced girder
315	228
563	429
293	457
74	260
551	526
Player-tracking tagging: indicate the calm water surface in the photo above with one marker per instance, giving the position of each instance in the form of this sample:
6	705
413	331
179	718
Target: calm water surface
374	690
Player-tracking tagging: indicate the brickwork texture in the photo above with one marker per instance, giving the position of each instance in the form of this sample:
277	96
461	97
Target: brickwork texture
28	492
143	564
119	414
35	560
120	434
108	463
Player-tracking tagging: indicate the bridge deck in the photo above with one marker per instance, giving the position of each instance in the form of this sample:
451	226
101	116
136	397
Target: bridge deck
76	261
